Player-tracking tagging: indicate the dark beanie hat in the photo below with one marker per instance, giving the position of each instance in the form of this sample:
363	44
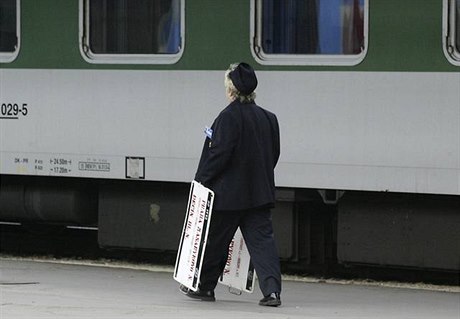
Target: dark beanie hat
244	78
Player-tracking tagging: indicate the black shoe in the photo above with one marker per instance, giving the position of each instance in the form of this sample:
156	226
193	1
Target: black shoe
183	289
272	300
203	295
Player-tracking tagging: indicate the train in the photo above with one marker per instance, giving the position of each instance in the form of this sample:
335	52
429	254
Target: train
104	103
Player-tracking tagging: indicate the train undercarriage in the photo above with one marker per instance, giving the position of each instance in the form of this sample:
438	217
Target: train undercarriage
316	231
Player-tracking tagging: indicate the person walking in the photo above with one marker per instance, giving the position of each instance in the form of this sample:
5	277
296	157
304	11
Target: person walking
237	162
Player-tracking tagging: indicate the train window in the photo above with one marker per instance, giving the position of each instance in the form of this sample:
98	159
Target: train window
309	32
126	31
452	30
9	30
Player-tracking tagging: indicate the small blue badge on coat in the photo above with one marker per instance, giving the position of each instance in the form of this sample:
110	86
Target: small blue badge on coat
208	132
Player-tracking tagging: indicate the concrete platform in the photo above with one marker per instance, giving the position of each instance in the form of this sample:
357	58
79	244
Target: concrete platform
31	289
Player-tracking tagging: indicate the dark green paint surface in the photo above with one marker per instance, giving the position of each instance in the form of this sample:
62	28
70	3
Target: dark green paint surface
403	36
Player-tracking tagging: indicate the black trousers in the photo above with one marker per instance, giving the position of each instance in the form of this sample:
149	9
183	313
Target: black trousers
257	230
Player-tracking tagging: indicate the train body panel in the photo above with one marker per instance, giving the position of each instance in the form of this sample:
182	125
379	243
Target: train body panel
103	109
379	131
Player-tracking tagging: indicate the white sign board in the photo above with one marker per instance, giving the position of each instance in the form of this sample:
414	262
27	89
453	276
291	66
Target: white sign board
194	235
239	273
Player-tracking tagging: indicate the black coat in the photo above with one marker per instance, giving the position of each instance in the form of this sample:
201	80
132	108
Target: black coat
238	161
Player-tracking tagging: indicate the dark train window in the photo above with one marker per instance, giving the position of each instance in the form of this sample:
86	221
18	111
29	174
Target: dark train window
9	42
143	31
452	30
310	31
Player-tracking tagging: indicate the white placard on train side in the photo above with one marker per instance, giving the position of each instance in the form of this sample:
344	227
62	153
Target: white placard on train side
194	235
239	274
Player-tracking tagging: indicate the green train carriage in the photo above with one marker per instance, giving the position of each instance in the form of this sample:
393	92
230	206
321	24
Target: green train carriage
103	104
